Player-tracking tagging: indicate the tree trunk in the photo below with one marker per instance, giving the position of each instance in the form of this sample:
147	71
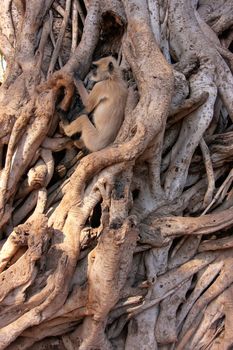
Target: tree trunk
129	247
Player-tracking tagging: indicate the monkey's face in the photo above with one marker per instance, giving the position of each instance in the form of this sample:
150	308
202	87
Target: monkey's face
102	69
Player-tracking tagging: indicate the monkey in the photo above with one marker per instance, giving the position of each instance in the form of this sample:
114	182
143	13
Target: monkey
99	122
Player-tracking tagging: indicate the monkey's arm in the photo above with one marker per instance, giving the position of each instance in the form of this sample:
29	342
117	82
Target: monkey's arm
62	108
96	96
90	100
69	93
82	91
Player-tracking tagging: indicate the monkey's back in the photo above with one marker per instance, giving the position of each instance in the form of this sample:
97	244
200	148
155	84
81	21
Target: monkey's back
109	114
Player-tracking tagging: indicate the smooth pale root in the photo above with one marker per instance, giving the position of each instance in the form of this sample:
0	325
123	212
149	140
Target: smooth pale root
109	177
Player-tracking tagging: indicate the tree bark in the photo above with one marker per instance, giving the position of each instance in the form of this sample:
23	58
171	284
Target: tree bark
129	247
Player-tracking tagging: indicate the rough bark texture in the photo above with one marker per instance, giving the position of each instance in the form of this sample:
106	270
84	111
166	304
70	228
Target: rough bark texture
129	247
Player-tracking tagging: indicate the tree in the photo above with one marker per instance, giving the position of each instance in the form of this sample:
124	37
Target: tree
129	247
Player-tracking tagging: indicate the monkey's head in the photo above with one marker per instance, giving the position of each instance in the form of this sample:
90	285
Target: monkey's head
105	68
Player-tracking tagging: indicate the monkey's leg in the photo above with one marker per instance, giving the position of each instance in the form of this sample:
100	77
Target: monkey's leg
76	126
92	138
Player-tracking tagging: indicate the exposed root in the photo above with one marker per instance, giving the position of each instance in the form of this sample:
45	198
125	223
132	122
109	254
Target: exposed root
222	191
111	249
188	106
210	173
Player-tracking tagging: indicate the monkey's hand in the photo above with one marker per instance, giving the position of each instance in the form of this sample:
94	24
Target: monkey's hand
62	126
62	115
83	111
64	121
